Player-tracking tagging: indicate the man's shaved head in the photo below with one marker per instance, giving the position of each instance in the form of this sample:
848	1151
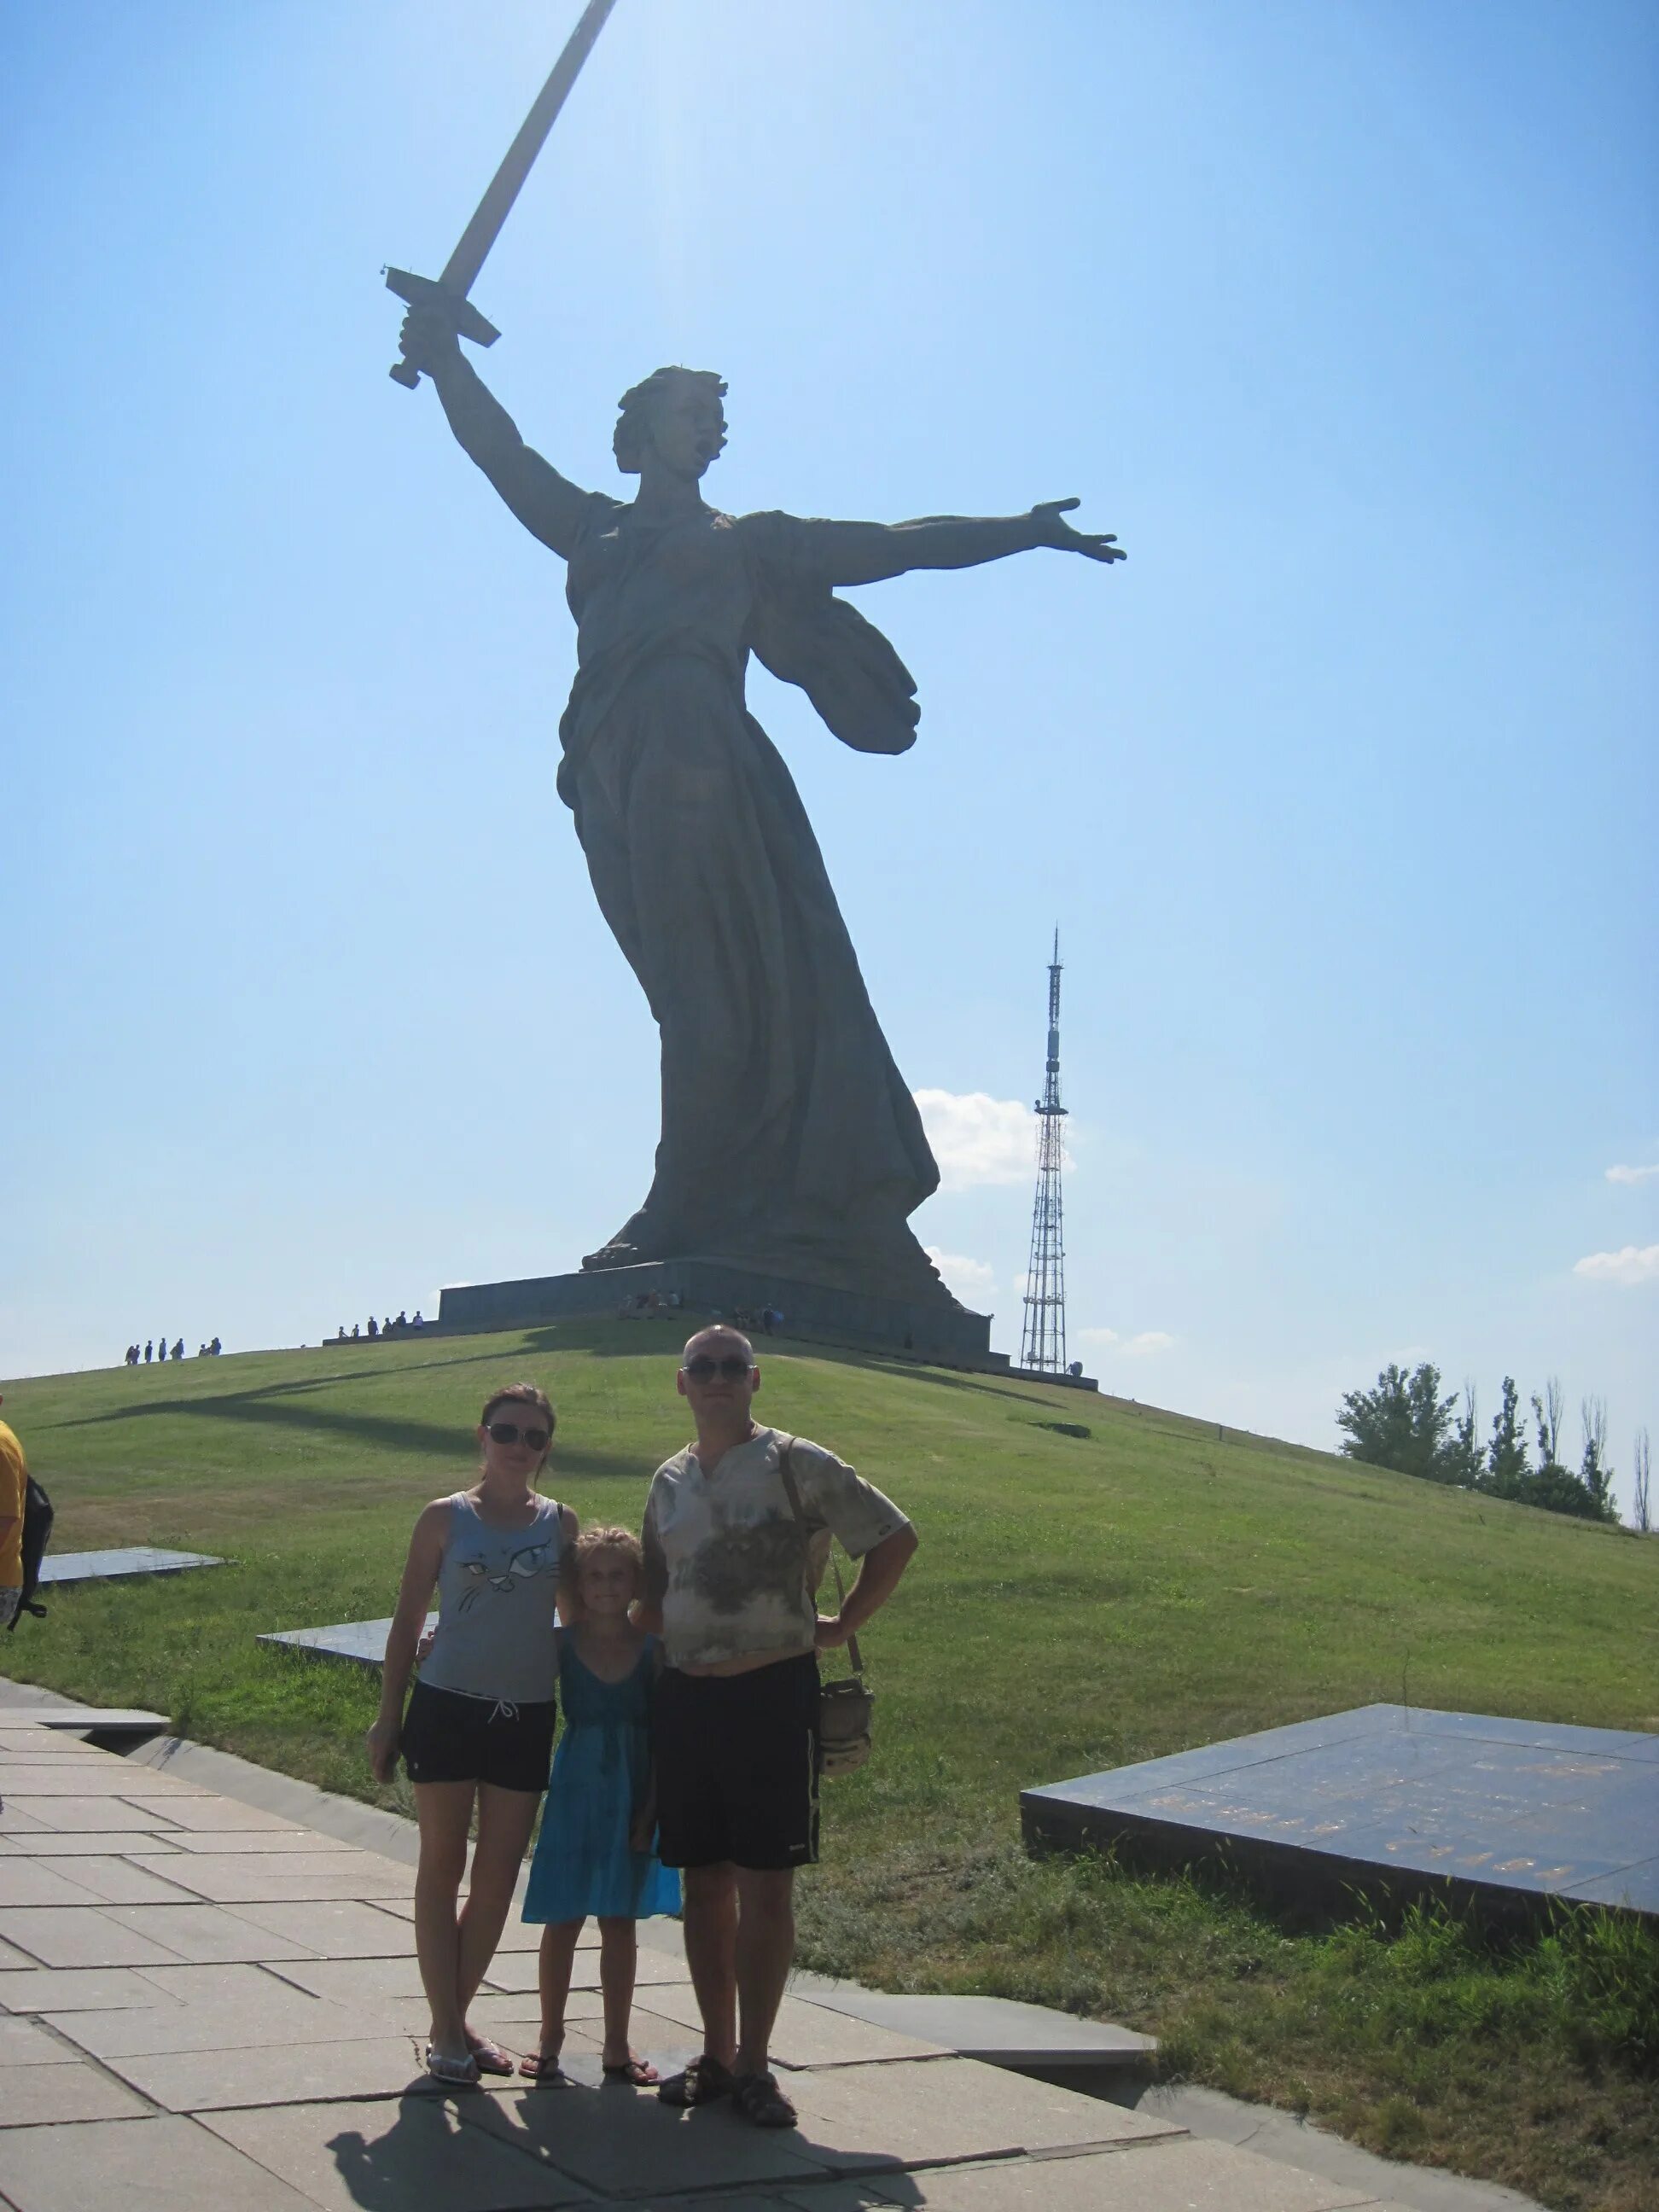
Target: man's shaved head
718	1332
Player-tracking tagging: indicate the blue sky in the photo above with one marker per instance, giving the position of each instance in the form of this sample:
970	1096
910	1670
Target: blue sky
1342	791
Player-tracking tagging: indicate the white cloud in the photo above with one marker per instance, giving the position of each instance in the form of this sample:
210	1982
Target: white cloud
1631	1264
979	1140
1143	1344
1633	1174
971	1281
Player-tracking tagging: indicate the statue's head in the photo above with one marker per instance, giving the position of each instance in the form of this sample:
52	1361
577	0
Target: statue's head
676	414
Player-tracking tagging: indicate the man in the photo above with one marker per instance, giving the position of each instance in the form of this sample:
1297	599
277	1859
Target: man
729	1586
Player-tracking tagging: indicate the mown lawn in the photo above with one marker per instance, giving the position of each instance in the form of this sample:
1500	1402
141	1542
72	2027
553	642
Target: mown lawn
1079	1603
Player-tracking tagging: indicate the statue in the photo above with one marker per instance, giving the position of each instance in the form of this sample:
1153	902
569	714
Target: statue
789	1139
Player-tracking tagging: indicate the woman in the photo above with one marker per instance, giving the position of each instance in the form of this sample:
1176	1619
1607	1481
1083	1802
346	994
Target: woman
789	1138
478	1734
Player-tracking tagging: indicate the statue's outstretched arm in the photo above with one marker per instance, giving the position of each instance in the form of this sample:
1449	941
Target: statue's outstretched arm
549	507
867	552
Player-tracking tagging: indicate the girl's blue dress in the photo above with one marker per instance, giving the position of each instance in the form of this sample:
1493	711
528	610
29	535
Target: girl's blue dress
582	1864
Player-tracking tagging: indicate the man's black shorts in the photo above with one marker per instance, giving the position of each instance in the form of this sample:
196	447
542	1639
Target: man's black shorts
737	1767
450	1738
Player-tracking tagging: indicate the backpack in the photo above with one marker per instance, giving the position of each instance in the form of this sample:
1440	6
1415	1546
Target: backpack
38	1518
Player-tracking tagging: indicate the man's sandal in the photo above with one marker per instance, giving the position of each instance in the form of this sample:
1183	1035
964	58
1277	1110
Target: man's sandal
759	2099
703	2080
488	2057
637	2073
544	2066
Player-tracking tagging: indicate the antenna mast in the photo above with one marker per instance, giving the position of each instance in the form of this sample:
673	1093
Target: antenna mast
1042	1338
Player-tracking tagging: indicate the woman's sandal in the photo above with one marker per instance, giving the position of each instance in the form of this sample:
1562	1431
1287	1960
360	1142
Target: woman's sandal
637	2073
488	2057
759	2099
544	2066
454	2073
703	2080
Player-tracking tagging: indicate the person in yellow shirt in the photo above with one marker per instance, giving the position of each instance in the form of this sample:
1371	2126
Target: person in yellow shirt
13	1482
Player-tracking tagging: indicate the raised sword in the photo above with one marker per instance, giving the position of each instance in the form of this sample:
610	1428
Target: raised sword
450	290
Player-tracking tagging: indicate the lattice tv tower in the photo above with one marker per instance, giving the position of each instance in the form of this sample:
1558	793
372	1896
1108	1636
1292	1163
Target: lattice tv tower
1042	1339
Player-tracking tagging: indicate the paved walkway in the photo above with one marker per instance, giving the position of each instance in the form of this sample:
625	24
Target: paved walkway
206	2002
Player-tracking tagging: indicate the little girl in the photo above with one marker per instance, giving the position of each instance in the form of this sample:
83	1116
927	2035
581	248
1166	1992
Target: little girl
594	1853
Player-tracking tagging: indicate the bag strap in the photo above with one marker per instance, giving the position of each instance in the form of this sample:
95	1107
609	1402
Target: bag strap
791	1491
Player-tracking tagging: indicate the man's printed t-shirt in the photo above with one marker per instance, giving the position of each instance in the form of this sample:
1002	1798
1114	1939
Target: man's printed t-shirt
736	1557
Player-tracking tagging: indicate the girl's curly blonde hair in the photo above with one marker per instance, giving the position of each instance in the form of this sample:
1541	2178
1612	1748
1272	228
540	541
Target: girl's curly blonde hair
575	1556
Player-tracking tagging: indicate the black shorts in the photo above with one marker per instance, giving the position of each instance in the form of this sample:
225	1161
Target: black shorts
737	1767
450	1738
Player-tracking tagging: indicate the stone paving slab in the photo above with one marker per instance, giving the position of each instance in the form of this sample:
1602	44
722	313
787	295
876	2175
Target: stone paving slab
919	2113
231	1983
623	2143
214	2081
62	1811
80	1935
204	1935
45	2096
996	2029
64	1988
23	2043
38	1743
1181	2176
338	1928
274	1877
272	1843
89	1843
15	1819
807	2034
111	1880
99	1773
28	1881
152	2165
414	2151
210	1814
347	1981
280	2015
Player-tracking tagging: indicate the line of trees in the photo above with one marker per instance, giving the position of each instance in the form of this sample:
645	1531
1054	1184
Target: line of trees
1406	1424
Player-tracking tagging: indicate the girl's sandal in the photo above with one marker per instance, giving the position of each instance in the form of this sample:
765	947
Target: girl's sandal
703	2080
637	2073
488	2057
544	2066
759	2099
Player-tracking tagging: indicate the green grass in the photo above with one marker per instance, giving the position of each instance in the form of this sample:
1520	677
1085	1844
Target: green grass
1079	1603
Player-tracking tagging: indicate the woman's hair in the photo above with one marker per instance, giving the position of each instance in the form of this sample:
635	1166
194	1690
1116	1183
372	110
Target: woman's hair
574	1558
520	1393
633	429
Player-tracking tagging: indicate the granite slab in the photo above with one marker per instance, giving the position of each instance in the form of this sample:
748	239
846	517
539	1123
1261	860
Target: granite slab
63	1989
80	1935
60	1567
1391	1797
47	2096
87	1843
361	1641
205	1934
806	2034
623	2143
286	2073
107	1880
332	1928
345	2156
1177	2175
149	2165
209	1815
994	2029
271	1877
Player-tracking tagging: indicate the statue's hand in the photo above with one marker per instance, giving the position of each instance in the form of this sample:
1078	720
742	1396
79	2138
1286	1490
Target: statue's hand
428	338
1047	520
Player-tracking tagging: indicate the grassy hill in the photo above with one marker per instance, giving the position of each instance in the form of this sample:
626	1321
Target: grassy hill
1079	1603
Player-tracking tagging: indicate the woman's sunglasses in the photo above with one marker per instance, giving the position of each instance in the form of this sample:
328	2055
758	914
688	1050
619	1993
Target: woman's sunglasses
509	1432
731	1369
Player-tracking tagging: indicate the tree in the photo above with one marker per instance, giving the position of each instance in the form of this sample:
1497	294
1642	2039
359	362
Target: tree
1506	1455
1546	1411
1464	1456
1401	1423
1593	1471
1639	1510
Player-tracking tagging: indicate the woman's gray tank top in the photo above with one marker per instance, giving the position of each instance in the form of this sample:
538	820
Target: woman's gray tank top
497	1588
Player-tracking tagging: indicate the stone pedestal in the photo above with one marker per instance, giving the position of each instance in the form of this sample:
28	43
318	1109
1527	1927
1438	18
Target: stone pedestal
947	1335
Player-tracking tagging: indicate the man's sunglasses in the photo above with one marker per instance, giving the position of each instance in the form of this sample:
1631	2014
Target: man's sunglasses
509	1432
731	1369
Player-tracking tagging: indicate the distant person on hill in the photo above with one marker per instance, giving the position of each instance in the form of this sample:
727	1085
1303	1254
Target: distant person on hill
373	1329
214	1348
149	1350
161	1349
14	1490
417	1322
178	1349
355	1332
735	1525
478	1733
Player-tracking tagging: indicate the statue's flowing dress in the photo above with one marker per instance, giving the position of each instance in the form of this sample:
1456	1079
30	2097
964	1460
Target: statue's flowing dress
789	1137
